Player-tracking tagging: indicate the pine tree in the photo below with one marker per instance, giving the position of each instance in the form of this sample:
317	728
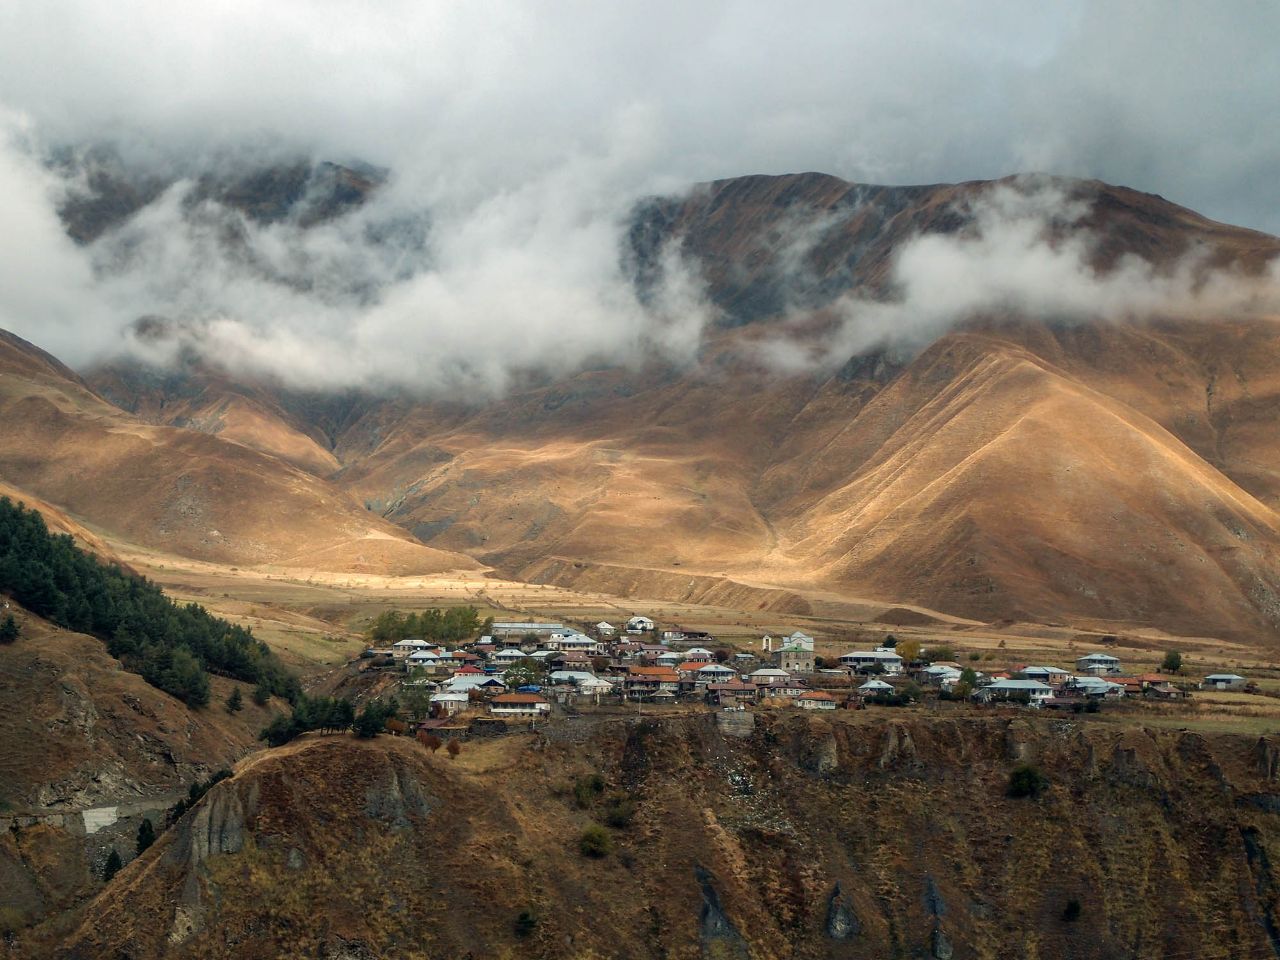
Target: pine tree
261	694
9	630
112	866
235	702
146	835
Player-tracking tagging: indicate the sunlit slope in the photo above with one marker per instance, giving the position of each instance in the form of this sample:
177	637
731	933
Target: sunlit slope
178	490
989	483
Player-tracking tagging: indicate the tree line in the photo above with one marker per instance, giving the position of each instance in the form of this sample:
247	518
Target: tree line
435	626
172	646
329	715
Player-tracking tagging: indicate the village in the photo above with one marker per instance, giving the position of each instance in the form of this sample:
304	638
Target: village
526	672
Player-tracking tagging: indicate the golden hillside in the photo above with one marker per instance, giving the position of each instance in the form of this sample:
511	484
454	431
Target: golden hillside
177	490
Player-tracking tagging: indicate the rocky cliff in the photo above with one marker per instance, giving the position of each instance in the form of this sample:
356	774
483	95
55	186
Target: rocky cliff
854	835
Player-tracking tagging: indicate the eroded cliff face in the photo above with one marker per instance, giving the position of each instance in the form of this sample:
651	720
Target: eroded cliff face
848	835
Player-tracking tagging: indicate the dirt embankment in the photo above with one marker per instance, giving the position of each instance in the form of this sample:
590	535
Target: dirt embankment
852	835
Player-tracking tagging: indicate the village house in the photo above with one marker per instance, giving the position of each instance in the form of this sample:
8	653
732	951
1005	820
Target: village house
521	629
422	659
450	702
519	705
1053	676
457	658
640	625
505	658
795	658
669	658
873	661
1224	681
1098	664
731	693
768	675
642	682
1157	687
699	653
875	688
1033	691
573	642
466	682
816	700
584	681
605	629
403	648
788	689
1093	687
938	674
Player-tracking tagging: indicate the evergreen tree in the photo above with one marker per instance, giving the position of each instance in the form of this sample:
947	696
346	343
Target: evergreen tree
235	702
9	630
146	835
112	866
261	695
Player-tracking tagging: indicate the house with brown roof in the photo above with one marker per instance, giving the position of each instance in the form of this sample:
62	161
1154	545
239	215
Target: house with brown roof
731	692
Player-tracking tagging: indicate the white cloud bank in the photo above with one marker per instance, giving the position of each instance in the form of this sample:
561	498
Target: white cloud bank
527	130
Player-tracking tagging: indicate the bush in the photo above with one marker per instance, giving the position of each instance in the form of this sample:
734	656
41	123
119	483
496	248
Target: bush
1072	911
620	811
526	923
595	842
430	741
453	749
1027	781
586	789
261	695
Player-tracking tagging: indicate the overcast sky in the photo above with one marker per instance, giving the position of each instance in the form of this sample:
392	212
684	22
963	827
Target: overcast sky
528	129
1179	97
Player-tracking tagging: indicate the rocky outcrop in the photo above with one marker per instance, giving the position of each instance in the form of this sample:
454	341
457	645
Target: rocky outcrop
853	834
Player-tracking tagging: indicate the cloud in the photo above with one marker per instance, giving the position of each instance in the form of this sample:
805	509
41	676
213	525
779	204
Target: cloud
522	133
1023	253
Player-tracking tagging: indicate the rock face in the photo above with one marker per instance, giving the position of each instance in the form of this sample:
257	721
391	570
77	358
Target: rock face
338	847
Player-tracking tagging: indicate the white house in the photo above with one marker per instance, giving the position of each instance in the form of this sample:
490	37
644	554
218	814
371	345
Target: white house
670	658
867	661
1098	664
699	653
640	625
816	700
1223	681
1033	690
605	628
518	705
508	656
585	682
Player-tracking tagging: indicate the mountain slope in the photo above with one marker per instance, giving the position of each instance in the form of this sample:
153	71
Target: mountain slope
180	490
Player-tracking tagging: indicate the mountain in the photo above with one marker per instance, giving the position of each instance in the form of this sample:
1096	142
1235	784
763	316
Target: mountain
854	836
177	490
1084	470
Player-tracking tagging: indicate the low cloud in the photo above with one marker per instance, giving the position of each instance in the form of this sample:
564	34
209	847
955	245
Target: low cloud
1023	254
